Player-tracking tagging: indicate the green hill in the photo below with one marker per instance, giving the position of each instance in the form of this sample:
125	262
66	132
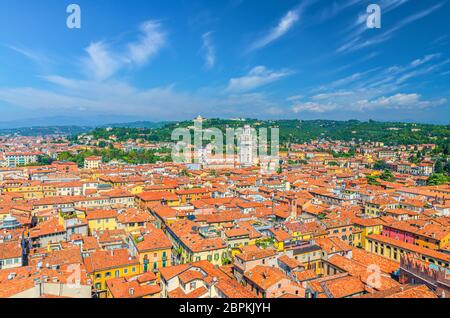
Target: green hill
298	131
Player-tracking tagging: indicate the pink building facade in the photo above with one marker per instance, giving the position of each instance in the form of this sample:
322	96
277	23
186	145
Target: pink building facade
398	234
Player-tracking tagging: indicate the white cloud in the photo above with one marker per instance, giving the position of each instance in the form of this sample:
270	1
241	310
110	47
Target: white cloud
375	89
385	80
336	8
102	62
347	80
120	98
209	51
29	54
258	76
152	40
285	24
313	107
357	103
294	98
399	101
422	71
330	95
355	41
424	60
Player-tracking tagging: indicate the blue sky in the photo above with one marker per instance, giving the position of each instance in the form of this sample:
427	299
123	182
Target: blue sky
172	60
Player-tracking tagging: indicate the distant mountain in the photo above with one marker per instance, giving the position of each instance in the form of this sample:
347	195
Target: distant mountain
70	125
93	120
136	124
46	130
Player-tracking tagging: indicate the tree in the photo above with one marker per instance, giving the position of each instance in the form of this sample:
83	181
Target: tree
387	176
381	165
44	160
102	144
438	167
226	261
185	173
372	180
438	179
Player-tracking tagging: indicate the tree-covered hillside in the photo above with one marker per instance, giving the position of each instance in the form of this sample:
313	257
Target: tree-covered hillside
295	131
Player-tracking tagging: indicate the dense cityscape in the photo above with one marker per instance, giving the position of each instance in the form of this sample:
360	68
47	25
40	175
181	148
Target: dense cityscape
224	157
84	216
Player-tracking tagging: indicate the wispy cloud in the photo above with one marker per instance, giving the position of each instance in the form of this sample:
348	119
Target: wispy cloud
425	59
29	54
72	96
258	76
103	62
336	8
208	50
422	71
354	103
400	101
375	89
357	42
286	23
151	41
330	95
359	26
100	63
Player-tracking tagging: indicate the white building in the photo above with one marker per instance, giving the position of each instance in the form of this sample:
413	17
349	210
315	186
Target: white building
247	146
92	162
14	159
